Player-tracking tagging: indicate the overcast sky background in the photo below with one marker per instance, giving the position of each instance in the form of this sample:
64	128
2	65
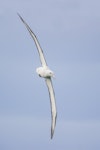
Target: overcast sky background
69	34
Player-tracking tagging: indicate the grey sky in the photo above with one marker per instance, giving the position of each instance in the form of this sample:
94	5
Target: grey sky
69	33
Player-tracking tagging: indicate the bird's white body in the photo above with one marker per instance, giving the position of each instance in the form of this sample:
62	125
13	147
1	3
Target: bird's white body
46	73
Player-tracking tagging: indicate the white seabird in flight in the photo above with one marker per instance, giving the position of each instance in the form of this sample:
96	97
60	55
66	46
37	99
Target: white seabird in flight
46	73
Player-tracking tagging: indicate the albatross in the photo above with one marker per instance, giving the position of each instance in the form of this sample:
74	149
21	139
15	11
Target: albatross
45	73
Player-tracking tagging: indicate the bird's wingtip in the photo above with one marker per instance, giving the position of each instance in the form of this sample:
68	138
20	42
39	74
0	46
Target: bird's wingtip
18	14
20	17
53	128
52	132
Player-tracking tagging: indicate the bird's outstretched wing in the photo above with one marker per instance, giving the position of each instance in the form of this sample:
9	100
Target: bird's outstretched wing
42	58
53	104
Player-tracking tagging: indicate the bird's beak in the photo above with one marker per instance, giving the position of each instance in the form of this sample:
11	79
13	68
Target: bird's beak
53	76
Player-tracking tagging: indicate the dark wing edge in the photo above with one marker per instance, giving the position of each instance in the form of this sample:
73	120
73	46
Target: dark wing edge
53	105
40	51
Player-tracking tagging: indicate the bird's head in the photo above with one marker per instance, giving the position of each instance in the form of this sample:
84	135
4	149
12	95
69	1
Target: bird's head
51	74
